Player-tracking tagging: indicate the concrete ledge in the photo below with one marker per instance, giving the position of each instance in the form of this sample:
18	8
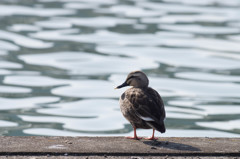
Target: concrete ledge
118	146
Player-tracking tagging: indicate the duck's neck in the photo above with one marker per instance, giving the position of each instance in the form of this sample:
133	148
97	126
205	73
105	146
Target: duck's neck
141	87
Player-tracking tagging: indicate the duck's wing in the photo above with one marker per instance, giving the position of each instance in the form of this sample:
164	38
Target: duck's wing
148	105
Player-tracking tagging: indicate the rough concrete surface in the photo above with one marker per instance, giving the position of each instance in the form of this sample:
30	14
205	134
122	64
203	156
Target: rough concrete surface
117	147
115	157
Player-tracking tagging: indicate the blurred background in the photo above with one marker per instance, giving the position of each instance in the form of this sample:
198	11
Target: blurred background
60	61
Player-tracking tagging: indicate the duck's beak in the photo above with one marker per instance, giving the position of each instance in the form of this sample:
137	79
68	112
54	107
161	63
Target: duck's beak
122	85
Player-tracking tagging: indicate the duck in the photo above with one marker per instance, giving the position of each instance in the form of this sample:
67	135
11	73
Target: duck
141	105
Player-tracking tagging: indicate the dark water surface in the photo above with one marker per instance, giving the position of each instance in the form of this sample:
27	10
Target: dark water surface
61	59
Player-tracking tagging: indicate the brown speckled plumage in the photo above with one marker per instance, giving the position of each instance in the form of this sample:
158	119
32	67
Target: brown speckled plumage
137	102
141	105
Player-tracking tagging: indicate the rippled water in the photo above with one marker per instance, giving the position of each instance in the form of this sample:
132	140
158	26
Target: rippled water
61	59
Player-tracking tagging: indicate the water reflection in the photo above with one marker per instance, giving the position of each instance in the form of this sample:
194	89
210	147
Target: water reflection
20	103
13	90
82	62
24	41
10	10
61	59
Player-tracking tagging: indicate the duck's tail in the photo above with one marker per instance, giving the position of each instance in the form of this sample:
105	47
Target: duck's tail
159	126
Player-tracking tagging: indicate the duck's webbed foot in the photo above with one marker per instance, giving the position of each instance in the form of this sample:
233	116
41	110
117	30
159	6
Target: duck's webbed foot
135	137
152	138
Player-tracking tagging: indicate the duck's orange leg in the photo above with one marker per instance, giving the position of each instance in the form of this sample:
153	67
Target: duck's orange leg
152	138
135	135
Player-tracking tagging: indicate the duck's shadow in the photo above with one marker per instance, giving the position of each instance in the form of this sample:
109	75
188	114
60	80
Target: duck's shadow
171	145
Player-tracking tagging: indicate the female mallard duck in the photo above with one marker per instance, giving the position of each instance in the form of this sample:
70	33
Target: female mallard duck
141	105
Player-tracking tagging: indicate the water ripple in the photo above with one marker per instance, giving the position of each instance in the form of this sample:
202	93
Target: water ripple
8	10
24	41
8	104
75	61
14	90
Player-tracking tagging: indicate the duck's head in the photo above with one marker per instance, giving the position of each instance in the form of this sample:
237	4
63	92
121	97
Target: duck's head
137	79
